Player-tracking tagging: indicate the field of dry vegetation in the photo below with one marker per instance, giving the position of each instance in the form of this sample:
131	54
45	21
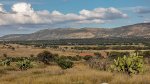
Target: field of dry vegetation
80	73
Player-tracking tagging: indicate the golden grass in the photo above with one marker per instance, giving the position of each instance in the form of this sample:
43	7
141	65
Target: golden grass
79	74
26	51
23	51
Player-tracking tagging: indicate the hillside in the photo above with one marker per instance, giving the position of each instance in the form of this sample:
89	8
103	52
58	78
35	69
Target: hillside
136	30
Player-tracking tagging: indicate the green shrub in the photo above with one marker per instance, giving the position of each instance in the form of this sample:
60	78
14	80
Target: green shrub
16	59
114	54
65	63
129	65
24	64
88	57
72	58
45	57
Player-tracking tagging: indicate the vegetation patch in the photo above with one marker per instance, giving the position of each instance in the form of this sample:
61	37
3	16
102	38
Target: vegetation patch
46	57
65	63
130	65
24	64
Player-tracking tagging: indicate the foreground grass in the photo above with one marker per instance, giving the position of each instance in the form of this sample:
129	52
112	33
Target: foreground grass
79	74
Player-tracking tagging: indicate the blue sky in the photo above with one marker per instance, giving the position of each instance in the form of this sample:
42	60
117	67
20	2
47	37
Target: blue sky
27	16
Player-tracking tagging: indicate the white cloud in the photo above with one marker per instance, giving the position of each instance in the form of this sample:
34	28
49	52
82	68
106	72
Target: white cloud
103	13
23	8
96	21
1	8
23	13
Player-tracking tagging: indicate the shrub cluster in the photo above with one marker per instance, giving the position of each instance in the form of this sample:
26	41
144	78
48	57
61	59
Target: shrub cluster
91	48
114	54
23	64
113	48
72	58
88	57
16	59
65	63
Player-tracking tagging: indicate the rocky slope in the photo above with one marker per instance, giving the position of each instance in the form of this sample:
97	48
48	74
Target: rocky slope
136	30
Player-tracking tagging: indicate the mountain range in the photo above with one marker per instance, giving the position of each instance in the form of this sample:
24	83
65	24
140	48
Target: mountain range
135	30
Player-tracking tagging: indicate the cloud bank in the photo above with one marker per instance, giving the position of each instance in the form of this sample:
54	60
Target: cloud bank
23	13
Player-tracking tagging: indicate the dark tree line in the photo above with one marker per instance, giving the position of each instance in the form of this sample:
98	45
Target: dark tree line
92	41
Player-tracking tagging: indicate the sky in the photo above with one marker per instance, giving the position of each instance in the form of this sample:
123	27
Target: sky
28	16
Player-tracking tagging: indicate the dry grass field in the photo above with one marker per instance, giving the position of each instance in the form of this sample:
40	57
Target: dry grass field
25	51
81	73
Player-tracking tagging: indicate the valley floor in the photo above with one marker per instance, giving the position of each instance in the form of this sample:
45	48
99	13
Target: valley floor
81	73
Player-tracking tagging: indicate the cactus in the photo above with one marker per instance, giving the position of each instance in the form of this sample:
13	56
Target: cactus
130	65
24	64
5	62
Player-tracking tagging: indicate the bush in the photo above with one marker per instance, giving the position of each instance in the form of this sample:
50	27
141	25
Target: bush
146	54
100	64
72	58
45	57
65	63
5	55
24	64
129	65
114	54
88	57
98	55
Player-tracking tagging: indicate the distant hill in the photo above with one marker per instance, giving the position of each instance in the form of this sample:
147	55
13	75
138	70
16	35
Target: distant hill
136	30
